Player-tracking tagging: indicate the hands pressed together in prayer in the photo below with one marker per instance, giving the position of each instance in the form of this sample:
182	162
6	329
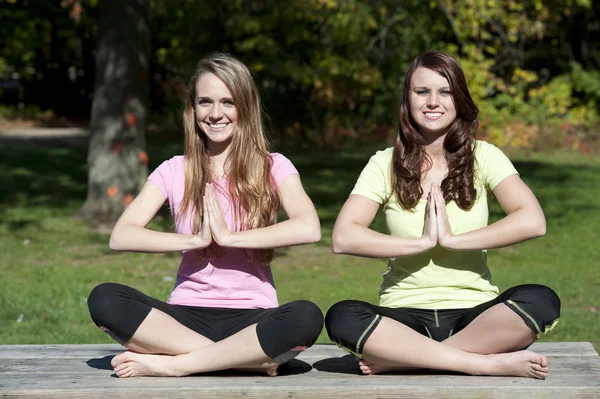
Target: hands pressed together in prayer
214	226
437	227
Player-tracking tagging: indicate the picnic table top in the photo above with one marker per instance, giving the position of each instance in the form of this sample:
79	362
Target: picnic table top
323	371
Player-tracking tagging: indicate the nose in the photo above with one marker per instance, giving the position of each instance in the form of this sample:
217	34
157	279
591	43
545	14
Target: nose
216	113
432	100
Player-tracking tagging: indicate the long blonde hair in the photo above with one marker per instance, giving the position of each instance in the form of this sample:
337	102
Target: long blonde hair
252	191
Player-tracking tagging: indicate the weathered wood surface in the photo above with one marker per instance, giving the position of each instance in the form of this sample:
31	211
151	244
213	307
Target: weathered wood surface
323	371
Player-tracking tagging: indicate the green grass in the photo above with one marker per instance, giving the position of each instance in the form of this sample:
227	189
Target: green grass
50	261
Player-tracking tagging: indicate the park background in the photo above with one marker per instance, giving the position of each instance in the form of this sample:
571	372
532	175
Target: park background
91	97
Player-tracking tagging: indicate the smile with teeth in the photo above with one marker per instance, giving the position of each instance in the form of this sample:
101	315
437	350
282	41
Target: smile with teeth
433	115
217	126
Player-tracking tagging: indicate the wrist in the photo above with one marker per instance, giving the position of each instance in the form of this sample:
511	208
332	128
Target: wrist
426	244
449	242
229	240
226	239
199	242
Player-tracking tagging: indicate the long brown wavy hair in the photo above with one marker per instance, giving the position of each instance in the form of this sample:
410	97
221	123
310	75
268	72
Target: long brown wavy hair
410	160
252	191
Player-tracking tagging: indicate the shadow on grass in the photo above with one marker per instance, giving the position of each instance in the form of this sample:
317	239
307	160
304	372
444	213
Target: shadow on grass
53	175
554	184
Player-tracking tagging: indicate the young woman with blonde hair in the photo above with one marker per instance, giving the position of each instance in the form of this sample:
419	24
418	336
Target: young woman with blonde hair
224	194
438	308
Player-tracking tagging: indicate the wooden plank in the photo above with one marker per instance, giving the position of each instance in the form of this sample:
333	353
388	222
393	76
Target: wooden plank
84	371
564	365
86	351
379	387
321	380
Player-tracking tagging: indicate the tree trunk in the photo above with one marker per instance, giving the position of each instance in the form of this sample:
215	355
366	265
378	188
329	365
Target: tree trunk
117	159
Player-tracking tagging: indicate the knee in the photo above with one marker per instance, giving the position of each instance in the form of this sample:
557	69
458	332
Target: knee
102	302
541	303
342	316
312	319
549	299
541	297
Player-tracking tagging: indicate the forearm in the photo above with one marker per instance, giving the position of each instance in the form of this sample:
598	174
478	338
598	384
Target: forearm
141	239
290	232
362	241
514	228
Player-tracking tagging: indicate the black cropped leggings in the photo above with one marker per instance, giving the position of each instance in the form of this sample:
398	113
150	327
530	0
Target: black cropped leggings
350	323
119	310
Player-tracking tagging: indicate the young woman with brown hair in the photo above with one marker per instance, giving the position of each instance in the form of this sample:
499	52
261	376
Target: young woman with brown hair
438	307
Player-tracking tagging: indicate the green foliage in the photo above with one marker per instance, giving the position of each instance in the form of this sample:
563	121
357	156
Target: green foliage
584	81
330	70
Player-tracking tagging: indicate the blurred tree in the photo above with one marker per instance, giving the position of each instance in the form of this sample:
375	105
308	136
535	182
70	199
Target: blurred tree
44	53
117	161
328	69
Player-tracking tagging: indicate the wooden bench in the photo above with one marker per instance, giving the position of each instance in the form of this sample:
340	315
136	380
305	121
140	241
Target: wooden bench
323	371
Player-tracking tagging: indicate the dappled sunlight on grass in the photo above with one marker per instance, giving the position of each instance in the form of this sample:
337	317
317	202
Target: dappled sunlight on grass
50	261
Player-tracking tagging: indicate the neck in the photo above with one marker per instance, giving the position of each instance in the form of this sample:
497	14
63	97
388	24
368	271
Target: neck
218	156
434	147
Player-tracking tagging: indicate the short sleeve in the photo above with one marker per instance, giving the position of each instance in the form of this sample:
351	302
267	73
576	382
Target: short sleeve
163	177
374	181
493	165
281	168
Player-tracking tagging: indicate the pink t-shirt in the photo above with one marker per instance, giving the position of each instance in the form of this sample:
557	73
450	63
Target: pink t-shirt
227	279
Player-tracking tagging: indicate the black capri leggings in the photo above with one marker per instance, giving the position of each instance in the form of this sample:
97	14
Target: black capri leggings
119	310
350	323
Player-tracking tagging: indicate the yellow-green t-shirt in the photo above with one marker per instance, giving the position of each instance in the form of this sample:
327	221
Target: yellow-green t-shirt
438	278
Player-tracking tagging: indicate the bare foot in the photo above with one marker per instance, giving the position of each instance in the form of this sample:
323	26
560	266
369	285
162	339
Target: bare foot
133	364
370	368
523	363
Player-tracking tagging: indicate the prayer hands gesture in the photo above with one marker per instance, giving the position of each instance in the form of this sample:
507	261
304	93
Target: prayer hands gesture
437	227
214	226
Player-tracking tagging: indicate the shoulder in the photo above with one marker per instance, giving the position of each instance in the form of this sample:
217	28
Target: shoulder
170	168
492	164
177	161
281	164
278	159
384	155
281	167
484	150
382	160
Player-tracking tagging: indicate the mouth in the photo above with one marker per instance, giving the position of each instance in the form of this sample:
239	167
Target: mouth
433	115
216	127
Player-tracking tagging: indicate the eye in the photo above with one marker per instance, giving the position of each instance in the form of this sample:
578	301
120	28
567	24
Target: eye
421	92
228	103
203	102
446	93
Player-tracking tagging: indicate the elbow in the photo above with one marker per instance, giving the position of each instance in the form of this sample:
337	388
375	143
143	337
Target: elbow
540	229
114	242
338	243
314	233
308	230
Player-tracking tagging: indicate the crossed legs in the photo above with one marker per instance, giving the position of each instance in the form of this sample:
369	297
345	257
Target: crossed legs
391	347
489	344
167	343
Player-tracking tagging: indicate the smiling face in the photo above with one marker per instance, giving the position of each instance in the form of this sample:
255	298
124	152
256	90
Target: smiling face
431	104
216	113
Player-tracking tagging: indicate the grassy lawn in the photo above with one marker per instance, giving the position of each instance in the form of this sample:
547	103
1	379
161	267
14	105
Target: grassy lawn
49	261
